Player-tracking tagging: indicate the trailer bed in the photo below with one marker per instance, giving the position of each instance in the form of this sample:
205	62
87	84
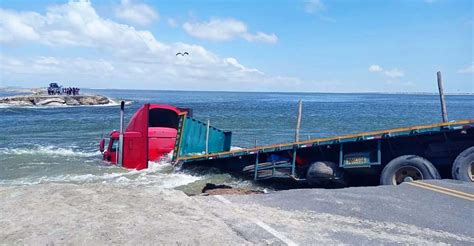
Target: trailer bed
363	154
396	132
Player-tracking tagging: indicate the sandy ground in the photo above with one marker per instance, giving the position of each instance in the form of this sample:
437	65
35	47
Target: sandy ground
91	214
106	214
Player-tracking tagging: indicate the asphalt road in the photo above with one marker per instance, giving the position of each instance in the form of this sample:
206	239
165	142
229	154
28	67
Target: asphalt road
430	212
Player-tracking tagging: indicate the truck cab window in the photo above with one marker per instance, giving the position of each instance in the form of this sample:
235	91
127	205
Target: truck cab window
159	117
114	145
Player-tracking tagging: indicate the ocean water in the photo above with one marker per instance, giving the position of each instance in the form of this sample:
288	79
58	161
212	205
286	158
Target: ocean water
60	144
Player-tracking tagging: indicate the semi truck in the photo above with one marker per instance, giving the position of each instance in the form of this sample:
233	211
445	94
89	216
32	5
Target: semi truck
386	157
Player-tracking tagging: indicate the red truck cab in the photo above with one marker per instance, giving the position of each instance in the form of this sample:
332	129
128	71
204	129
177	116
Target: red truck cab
149	136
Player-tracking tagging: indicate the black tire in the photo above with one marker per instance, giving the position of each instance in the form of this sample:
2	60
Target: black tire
325	173
463	166
408	167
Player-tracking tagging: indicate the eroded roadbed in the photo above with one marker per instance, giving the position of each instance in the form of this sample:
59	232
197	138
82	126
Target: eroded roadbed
142	214
360	215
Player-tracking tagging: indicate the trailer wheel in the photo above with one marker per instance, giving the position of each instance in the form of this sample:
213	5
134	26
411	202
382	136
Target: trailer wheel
463	166
407	168
325	173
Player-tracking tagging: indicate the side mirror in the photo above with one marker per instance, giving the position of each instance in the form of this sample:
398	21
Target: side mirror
102	145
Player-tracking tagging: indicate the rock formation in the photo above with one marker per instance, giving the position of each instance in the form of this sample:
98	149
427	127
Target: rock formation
54	100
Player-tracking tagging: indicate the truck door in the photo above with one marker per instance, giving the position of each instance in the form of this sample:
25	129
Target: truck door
135	144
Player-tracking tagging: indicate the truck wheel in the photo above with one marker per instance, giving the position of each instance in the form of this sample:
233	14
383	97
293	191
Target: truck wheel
407	168
325	173
463	166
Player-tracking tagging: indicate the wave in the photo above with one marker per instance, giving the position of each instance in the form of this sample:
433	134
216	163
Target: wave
160	173
47	150
167	181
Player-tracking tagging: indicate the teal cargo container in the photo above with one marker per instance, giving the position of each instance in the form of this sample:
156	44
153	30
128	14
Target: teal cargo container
197	138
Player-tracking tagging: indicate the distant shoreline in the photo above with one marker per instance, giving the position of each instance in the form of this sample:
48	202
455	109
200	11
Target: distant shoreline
40	98
32	90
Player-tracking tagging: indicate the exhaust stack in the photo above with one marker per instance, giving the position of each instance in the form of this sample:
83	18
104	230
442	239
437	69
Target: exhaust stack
120	147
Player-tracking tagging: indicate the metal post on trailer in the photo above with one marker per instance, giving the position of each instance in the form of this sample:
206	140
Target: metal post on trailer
341	155
120	147
297	136
444	113
177	146
379	152
255	170
207	136
298	121
293	162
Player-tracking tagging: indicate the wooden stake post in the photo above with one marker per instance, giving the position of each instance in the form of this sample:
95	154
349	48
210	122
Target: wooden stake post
441	98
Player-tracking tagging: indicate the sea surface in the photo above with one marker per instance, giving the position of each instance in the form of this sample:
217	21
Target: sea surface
60	144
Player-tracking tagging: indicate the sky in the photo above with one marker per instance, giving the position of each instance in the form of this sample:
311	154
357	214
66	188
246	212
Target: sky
278	45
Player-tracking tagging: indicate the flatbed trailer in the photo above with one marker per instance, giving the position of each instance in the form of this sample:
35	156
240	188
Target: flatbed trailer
444	150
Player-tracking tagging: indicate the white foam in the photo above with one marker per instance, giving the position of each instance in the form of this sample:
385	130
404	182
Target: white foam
47	150
159	173
167	181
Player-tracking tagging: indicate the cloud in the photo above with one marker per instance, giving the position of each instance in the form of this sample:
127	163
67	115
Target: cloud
391	73
468	69
140	14
394	73
104	53
225	30
313	6
15	26
375	68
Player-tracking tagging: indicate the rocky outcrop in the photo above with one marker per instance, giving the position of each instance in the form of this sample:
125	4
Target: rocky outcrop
92	100
221	189
55	100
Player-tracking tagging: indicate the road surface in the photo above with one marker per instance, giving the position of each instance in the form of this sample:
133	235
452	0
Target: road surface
432	212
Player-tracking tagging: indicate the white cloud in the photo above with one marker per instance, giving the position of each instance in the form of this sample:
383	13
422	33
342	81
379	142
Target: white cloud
313	6
225	30
261	37
468	69
391	73
375	68
394	73
75	24
121	54
15	26
140	14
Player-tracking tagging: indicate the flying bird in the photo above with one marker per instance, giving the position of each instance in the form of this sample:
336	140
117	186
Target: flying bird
182	54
